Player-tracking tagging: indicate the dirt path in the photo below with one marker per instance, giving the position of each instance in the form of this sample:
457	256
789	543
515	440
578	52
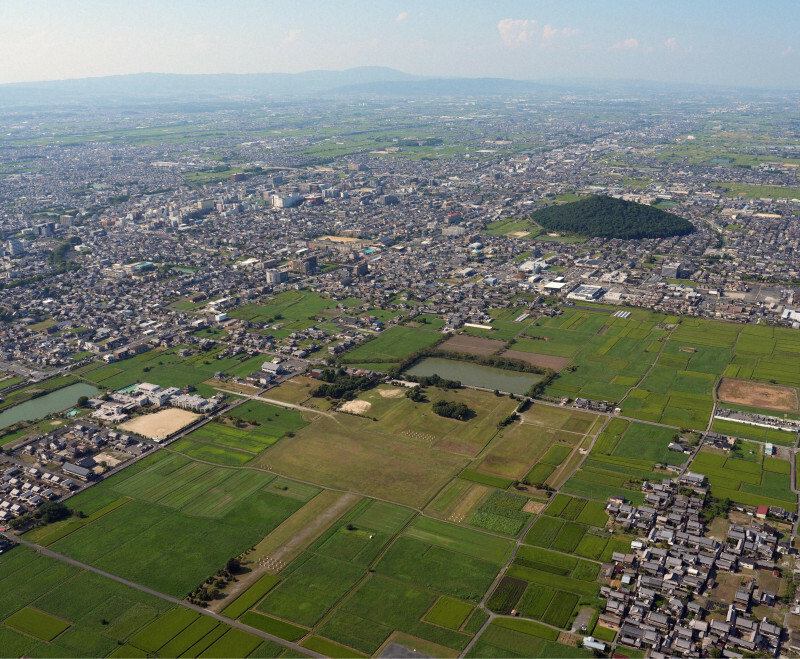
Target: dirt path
288	551
313	530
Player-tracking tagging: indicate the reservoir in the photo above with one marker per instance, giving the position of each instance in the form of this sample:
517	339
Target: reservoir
476	375
55	401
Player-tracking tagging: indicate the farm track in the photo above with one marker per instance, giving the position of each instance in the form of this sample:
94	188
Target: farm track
279	403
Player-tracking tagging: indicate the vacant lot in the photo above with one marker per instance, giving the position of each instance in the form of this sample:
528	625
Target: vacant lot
544	361
161	424
360	456
758	394
474	345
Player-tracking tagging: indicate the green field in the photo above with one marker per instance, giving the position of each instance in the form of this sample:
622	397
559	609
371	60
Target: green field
290	310
437	507
392	345
745	479
164	368
746	431
502	513
252	428
184	521
380	606
51	609
448	612
545	585
37	623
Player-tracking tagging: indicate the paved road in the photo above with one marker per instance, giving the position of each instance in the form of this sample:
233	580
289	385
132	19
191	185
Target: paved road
174	600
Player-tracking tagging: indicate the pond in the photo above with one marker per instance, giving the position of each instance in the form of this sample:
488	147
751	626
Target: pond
476	375
55	401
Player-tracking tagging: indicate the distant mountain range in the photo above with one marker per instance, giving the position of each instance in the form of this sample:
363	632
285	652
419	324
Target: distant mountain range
367	81
142	87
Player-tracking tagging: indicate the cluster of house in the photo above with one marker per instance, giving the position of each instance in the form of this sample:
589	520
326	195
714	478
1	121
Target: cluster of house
659	596
120	405
268	373
24	490
82	449
593	405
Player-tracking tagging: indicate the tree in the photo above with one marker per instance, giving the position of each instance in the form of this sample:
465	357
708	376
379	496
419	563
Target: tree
82	401
19	522
452	410
233	565
415	395
52	511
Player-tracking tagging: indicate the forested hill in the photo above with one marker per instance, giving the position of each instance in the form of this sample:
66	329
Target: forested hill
607	217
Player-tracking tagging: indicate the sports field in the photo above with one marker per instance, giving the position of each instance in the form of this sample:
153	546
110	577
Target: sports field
162	424
758	394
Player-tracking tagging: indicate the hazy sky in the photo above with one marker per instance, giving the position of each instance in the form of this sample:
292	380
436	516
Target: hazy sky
749	43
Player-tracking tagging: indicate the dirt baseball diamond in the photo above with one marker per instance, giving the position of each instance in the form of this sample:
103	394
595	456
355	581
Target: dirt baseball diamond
474	345
544	361
161	424
757	394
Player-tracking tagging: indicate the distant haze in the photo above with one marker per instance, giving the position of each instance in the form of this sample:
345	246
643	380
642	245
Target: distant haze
720	42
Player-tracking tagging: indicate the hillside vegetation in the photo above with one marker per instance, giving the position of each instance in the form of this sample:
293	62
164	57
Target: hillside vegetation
606	217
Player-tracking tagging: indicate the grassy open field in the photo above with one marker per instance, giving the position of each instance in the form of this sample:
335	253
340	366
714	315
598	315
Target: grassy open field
164	368
545	585
348	586
244	432
407	455
607	355
391	346
760	434
290	310
572	525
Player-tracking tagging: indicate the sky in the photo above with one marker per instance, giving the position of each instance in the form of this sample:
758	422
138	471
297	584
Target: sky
728	42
